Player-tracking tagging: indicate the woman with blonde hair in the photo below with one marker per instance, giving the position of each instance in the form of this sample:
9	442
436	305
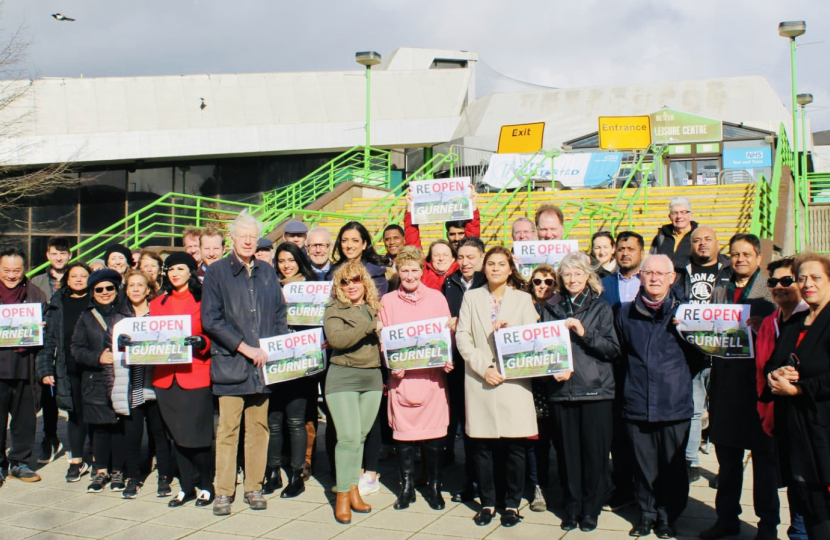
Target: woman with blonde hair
581	399
353	382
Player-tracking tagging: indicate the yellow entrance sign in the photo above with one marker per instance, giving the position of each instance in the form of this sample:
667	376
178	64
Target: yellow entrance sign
521	138
624	132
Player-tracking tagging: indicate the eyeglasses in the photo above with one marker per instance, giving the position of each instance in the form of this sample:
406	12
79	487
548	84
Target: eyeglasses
680	213
574	275
658	275
785	281
247	238
538	282
316	247
106	288
355	280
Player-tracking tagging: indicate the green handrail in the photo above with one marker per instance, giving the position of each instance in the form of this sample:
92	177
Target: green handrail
765	205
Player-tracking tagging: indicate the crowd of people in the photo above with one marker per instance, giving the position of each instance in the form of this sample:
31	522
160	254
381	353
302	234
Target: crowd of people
626	424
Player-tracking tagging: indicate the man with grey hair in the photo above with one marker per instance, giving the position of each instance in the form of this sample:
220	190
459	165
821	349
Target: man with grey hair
241	303
524	229
673	239
318	247
657	398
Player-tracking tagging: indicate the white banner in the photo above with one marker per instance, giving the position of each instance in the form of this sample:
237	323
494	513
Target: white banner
155	340
585	169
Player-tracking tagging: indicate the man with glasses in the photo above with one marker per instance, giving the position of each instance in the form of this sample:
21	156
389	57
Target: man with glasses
657	398
673	239
734	422
241	303
318	250
697	281
524	230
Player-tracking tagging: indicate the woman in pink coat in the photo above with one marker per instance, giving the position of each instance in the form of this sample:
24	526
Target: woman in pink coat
418	403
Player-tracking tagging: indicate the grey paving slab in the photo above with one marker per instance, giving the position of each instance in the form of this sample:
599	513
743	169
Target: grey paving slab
305	530
399	520
52	535
96	526
460	526
136	510
526	531
325	514
205	535
43	519
87	505
9	510
7	532
44	497
246	523
149	531
359	533
289	508
188	517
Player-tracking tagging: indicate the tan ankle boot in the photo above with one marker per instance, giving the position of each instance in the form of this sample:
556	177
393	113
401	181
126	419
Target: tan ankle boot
342	509
357	503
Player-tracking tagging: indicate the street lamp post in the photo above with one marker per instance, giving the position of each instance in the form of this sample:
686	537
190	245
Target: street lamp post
791	30
368	59
803	100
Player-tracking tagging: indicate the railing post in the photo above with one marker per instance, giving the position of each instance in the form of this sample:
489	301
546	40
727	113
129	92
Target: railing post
199	212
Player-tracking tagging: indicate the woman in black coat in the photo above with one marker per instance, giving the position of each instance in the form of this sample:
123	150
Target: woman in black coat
798	375
92	349
581	399
56	367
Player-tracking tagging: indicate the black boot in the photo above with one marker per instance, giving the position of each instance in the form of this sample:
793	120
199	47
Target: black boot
406	465
434	461
295	486
272	481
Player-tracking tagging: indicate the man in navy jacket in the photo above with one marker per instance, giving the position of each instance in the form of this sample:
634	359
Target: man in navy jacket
657	398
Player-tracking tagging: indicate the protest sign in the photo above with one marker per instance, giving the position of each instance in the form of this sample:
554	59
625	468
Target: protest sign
307	302
155	340
437	201
20	325
292	356
536	252
717	329
534	350
417	345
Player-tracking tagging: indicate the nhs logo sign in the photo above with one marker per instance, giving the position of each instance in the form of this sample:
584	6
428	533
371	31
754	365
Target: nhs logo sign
747	158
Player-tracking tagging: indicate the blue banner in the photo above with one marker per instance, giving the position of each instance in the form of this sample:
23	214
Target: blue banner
747	158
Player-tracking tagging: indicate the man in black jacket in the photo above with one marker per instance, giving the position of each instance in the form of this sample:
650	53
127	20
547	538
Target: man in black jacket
734	423
242	302
468	276
19	393
673	239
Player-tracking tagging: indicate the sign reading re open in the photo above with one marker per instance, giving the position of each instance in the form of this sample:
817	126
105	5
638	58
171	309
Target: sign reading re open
624	132
521	138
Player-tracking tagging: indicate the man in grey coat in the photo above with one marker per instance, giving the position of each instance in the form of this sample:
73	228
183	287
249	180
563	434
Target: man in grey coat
241	303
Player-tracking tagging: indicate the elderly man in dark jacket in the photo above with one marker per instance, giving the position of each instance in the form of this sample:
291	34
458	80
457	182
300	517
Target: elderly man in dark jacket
19	392
734	423
241	303
657	398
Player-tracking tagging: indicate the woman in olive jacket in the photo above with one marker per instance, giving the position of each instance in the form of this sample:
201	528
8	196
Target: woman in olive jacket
581	399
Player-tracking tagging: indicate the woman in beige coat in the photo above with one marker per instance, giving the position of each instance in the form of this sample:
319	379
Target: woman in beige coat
500	413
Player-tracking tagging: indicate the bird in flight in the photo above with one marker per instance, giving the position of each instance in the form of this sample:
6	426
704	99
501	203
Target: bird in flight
203	105
60	17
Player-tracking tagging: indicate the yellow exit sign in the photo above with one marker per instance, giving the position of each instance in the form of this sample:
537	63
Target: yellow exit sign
521	138
624	132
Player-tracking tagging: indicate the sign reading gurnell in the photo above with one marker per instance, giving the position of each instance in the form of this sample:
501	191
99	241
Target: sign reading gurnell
437	201
534	350
417	345
307	302
156	340
20	325
294	355
717	329
533	253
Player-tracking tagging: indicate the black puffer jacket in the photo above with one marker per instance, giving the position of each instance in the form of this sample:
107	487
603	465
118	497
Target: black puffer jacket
51	360
593	353
663	244
88	342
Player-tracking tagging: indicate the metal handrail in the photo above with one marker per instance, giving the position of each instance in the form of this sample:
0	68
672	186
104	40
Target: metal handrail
765	205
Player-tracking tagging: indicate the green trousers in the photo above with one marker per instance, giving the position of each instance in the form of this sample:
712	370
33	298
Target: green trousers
353	414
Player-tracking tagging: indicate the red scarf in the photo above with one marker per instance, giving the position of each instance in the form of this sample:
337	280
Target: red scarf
13	296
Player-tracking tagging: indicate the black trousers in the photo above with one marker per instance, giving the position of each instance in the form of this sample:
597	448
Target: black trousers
582	437
500	462
18	400
458	417
49	409
195	468
765	484
287	406
813	503
75	425
109	446
150	414
661	484
622	459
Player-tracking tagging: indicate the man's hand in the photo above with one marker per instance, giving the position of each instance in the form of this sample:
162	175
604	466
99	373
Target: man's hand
408	199
493	377
106	357
380	326
755	323
473	197
257	356
781	386
452	323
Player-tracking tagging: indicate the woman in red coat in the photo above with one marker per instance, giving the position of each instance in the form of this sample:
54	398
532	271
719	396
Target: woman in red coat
183	391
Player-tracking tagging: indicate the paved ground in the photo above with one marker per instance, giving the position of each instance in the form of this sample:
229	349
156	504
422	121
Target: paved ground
54	509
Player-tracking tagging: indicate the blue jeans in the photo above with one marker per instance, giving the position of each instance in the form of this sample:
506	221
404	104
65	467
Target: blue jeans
700	392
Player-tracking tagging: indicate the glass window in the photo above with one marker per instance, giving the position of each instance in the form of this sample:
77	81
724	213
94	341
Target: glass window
102	199
14	220
145	187
55	219
680	173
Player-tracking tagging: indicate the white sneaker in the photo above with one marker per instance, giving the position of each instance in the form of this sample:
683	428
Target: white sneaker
367	486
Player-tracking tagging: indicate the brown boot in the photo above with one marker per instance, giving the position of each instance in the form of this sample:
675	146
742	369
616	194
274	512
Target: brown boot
342	509
357	503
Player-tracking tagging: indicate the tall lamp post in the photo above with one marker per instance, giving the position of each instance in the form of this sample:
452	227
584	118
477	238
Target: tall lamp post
804	100
368	59
791	30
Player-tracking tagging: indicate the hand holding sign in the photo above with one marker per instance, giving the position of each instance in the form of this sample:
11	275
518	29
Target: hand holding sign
717	329
437	201
493	377
153	340
417	345
293	356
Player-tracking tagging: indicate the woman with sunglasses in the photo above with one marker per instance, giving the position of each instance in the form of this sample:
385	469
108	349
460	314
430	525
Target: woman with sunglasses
183	391
500	412
581	400
798	379
543	283
602	249
92	349
57	367
354	243
440	263
418	402
353	382
134	399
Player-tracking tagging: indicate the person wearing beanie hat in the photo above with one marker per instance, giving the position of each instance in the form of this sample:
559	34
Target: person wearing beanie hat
107	274
180	257
113	258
